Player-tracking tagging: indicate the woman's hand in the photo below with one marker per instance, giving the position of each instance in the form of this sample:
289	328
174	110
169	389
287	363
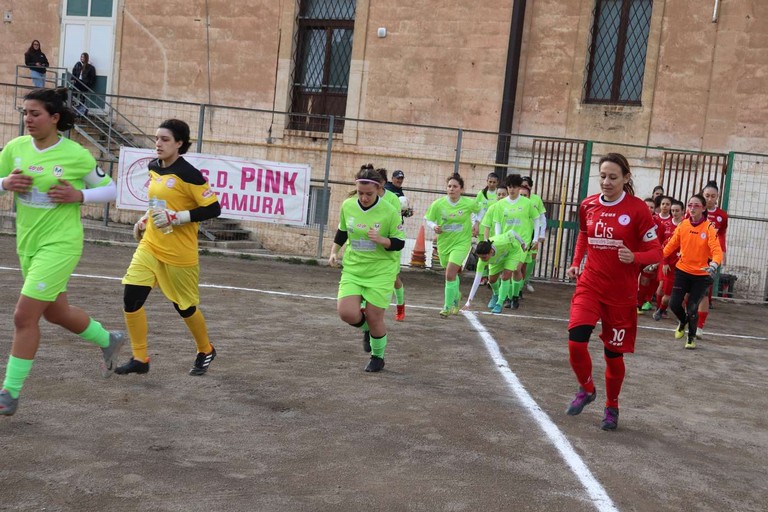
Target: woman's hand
17	181
573	272
625	255
65	193
438	229
333	260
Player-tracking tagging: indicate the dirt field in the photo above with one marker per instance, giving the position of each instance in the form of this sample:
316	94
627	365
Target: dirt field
286	420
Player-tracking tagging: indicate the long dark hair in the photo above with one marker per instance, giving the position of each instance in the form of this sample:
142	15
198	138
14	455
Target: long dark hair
180	131
55	102
32	48
621	161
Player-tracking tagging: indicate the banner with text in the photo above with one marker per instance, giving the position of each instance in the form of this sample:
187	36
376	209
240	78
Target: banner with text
255	190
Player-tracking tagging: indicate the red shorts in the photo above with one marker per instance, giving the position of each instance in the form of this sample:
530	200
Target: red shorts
668	281
619	322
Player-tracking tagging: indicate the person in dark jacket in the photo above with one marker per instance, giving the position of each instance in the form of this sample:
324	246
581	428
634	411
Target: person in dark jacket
83	78
36	60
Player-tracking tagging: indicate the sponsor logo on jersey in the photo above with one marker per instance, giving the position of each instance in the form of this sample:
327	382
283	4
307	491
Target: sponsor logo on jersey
624	219
208	193
361	226
58	171
36	169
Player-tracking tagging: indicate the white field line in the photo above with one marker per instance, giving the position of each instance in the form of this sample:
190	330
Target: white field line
596	492
410	306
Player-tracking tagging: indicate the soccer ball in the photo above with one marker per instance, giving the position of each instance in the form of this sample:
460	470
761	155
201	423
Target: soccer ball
403	203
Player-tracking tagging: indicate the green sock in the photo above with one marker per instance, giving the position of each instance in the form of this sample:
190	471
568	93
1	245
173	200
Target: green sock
503	290
378	345
517	285
15	374
495	287
363	325
529	268
96	334
448	295
456	292
400	295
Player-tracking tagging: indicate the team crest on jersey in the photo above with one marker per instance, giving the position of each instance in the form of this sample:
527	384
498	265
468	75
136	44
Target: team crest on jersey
377	226
719	219
399	227
58	171
170	183
624	219
703	235
208	193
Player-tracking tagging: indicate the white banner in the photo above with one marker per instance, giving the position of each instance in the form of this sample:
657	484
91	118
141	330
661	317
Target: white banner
247	189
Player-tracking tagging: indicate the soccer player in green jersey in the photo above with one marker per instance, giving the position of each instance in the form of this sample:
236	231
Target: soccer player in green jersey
517	213
540	230
371	231
394	200
50	177
486	198
167	253
452	217
502	254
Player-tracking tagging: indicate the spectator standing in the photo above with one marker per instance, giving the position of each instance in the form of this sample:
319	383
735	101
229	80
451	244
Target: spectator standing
83	78
35	59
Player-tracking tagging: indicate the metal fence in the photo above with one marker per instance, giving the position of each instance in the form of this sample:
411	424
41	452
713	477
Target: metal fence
564	172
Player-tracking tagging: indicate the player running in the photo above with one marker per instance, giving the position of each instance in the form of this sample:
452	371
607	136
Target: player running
667	268
540	230
50	176
452	217
700	256
371	231
167	252
517	213
618	236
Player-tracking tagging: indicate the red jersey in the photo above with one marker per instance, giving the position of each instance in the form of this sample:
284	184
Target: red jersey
669	227
719	218
603	228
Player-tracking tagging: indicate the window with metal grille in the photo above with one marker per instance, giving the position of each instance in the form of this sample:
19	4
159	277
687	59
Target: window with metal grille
617	53
322	56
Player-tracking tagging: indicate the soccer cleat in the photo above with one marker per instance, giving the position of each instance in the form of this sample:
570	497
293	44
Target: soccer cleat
116	340
493	301
376	364
657	315
647	306
529	287
507	303
700	333
610	419
690	344
581	400
132	366
680	331
202	362
8	405
366	341
400	313
664	314
483	281
515	302
496	309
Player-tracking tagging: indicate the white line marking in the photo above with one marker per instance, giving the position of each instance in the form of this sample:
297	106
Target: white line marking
410	306
597	494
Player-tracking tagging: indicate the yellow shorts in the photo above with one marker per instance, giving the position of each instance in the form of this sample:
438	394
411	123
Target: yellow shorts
46	274
178	284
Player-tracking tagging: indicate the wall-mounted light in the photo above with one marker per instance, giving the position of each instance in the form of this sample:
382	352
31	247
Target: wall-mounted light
382	32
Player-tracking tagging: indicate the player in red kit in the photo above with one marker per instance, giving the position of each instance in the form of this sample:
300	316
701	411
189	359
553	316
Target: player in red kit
667	268
618	235
719	218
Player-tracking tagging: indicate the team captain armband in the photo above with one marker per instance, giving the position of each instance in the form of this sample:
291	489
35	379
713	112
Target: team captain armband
650	235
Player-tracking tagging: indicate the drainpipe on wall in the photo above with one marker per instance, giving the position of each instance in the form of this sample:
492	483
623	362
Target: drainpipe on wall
510	86
716	11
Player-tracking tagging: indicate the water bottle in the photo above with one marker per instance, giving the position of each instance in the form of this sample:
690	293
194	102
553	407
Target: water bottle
159	204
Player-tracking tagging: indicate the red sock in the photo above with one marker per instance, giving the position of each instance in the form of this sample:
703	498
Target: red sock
645	292
581	363
663	306
702	319
614	378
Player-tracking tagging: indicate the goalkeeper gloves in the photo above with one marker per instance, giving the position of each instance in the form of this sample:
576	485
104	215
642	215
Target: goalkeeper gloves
711	269
164	218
